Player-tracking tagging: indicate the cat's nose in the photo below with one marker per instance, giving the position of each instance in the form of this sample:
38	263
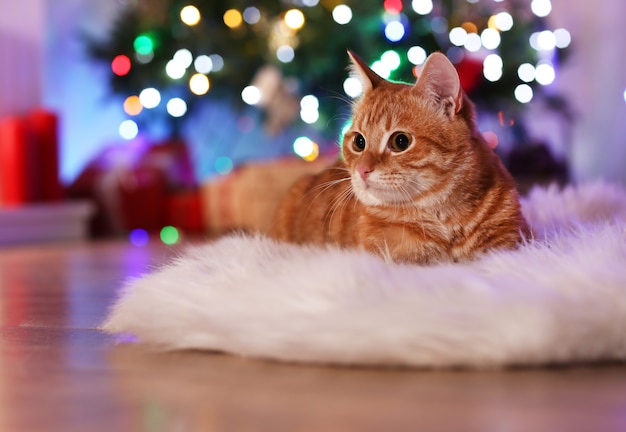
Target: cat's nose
364	170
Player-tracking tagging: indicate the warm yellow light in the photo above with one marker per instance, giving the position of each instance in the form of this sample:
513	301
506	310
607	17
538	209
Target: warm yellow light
190	15
294	19
199	84
132	106
491	23
315	152
233	18
469	27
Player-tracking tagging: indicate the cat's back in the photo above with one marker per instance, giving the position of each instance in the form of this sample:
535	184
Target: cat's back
318	208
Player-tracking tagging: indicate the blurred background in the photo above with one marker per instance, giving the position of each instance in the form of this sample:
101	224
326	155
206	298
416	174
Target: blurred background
157	119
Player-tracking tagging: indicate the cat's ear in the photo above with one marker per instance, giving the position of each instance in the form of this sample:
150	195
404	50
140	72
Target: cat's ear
439	81
359	69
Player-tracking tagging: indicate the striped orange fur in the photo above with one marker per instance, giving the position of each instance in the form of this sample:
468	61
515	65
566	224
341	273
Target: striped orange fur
418	183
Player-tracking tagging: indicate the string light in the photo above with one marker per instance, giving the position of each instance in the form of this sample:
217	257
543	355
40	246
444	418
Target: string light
184	57
458	36
143	44
541	8
563	38
545	74
251	95
416	55
394	31
169	235
150	97
422	7
526	72
203	64
175	70
492	67
342	14
546	40
523	93
285	53
473	42
251	15
199	84
190	15
128	129
176	107
217	61
132	105
353	87
490	38
309	106
306	148
393	6
139	237
232	18
381	69
121	65
503	21
391	60
294	19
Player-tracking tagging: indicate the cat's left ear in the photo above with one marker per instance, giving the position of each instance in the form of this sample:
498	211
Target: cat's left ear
439	81
369	79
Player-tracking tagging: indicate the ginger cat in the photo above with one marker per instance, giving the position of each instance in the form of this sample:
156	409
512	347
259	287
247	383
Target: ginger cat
418	183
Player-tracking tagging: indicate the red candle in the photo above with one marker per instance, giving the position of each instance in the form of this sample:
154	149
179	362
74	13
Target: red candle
15	153
44	127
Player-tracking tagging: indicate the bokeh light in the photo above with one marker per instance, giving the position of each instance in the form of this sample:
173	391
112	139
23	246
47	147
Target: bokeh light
175	70
342	14
294	19
381	69
306	148
139	237
394	31
203	64
176	107
223	165
391	59
217	61
251	15
490	38
458	36
524	93
128	129
233	18
492	67
184	57
121	65
353	87
504	21
169	235
541	8
251	95
526	72
199	84
546	40
473	42
190	15
285	53
143	44
422	7
563	38
545	74
416	55
150	97
132	105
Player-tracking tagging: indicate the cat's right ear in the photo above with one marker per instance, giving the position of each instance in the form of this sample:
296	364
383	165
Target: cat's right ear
359	69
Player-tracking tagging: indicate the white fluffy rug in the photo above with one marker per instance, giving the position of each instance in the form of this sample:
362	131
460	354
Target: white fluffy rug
558	299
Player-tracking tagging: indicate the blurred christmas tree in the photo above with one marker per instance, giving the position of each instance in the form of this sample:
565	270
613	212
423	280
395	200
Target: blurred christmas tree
288	57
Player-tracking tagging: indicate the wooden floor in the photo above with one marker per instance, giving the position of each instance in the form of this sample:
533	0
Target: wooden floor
59	373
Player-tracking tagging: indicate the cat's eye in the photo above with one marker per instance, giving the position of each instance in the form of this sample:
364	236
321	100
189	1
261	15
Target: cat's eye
399	142
359	143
